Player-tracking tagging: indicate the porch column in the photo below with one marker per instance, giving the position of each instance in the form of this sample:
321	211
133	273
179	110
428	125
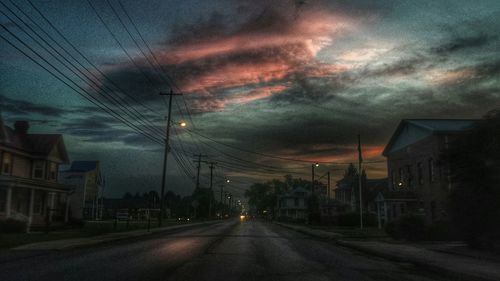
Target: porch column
378	215
51	204
8	204
30	207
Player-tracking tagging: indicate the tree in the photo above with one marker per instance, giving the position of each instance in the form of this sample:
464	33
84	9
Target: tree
474	164
264	196
127	195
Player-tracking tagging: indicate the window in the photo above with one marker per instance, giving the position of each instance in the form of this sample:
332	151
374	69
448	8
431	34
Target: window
420	173
431	170
296	202
6	163
3	199
52	171
38	169
409	176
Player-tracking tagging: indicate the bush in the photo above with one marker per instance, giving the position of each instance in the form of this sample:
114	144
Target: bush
409	227
352	219
13	226
439	231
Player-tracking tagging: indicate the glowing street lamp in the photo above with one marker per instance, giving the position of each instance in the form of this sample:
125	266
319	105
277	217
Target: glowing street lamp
183	124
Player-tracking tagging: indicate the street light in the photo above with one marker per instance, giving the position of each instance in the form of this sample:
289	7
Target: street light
183	124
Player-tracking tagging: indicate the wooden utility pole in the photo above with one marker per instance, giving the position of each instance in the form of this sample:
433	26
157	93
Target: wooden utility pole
360	180
312	179
328	185
210	194
198	167
165	154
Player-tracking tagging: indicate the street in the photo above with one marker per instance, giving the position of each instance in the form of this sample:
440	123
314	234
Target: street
231	250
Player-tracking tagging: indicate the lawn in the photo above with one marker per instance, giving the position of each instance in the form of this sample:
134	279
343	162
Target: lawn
91	228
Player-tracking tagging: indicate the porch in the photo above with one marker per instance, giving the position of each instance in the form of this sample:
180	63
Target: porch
35	201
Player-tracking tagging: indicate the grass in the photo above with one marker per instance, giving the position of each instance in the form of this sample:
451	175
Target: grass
91	228
354	232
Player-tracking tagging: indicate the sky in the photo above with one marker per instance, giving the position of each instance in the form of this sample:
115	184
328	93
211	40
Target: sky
260	81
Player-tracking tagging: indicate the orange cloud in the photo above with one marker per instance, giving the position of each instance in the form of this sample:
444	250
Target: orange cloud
257	94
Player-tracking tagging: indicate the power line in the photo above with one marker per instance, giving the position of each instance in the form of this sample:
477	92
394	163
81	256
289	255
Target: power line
76	50
89	98
111	99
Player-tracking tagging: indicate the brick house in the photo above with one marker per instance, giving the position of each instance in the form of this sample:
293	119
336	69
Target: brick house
29	163
419	179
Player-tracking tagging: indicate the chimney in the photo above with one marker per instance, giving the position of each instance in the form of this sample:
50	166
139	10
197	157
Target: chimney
21	127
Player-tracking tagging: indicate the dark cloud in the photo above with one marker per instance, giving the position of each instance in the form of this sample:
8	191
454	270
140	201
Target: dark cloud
461	43
14	106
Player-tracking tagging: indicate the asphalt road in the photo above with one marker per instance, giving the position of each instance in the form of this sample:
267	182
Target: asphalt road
230	250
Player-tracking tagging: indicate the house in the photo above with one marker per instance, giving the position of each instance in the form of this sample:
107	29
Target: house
294	204
29	184
419	178
85	176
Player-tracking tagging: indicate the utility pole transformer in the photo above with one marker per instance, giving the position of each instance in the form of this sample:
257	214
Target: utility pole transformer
165	155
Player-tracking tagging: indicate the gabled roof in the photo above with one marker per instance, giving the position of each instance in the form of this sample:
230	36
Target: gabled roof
35	144
83	166
412	130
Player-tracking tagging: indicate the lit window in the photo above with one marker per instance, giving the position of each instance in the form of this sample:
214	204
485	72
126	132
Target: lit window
6	163
38	169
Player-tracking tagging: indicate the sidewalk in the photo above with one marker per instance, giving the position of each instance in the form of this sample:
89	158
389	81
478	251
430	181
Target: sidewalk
459	266
88	241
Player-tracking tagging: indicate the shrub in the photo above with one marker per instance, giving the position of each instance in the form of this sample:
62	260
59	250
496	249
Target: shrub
409	227
12	226
439	231
352	219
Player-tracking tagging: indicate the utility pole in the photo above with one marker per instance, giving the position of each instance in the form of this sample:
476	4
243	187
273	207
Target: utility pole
210	194
198	167
328	185
221	200
360	160
312	179
312	176
165	154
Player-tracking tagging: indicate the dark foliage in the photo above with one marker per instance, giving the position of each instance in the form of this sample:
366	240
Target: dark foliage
352	219
408	227
12	226
475	168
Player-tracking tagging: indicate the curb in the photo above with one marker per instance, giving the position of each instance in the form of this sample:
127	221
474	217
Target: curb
435	268
316	233
97	240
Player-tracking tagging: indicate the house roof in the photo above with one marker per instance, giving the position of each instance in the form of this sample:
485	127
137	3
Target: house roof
35	144
412	130
83	166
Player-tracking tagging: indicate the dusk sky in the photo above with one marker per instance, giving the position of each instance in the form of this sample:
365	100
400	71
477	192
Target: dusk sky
294	79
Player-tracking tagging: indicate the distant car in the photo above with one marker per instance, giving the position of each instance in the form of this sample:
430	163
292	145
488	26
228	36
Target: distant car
183	219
